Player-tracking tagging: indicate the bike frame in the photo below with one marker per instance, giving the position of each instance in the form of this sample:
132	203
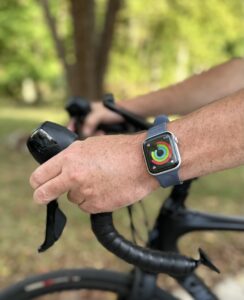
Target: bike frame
175	218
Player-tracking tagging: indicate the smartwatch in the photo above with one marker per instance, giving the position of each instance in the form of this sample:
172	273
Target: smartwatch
162	154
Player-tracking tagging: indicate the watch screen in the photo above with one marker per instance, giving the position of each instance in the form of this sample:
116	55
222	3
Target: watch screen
160	153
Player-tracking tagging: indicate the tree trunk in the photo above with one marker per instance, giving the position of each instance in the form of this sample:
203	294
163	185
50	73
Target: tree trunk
58	42
86	77
83	17
105	43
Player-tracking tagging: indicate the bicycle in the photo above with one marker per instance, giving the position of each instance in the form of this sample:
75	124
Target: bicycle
140	282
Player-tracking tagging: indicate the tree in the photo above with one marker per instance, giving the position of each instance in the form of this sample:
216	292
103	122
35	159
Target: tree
156	43
85	76
161	42
25	50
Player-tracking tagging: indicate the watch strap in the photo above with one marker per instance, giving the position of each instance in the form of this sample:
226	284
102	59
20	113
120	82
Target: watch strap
168	178
159	126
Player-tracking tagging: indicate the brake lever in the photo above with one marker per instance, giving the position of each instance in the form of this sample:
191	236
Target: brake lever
135	120
78	108
45	142
55	224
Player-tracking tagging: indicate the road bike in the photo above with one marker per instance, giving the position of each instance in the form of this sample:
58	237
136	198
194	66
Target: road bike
160	254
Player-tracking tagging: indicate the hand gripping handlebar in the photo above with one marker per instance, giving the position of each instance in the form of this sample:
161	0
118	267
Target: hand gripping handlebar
79	107
48	140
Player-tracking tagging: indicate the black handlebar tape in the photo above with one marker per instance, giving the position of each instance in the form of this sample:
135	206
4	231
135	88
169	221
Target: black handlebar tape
146	259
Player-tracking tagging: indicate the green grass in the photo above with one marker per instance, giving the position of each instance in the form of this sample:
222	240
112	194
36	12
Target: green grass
22	222
14	117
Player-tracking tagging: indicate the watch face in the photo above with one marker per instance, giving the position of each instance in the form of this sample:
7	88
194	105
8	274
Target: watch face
161	153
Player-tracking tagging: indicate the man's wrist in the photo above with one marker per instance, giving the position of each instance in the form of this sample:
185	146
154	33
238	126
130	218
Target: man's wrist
182	129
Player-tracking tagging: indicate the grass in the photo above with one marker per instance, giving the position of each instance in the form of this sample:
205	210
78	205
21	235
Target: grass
22	222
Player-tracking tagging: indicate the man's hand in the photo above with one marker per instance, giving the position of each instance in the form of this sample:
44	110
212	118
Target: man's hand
100	174
98	115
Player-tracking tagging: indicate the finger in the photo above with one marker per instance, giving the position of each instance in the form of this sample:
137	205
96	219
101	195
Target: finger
75	197
81	203
71	124
92	208
90	124
46	171
84	206
99	132
51	190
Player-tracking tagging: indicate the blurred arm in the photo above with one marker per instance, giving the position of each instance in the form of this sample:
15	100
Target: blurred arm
192	93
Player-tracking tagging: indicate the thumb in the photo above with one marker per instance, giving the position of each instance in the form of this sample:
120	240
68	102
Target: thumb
71	124
90	124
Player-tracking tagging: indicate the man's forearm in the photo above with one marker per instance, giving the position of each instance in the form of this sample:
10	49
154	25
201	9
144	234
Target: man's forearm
211	139
192	93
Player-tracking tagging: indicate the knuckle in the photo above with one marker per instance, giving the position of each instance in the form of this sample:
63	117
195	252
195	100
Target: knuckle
66	156
87	192
75	176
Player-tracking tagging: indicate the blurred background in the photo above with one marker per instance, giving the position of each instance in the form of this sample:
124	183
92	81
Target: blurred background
50	50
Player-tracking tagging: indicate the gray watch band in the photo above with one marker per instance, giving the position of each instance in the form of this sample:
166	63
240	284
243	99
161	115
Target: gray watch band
169	178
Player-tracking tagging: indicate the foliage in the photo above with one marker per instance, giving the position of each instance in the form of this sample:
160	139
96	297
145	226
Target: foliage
26	50
160	42
156	42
